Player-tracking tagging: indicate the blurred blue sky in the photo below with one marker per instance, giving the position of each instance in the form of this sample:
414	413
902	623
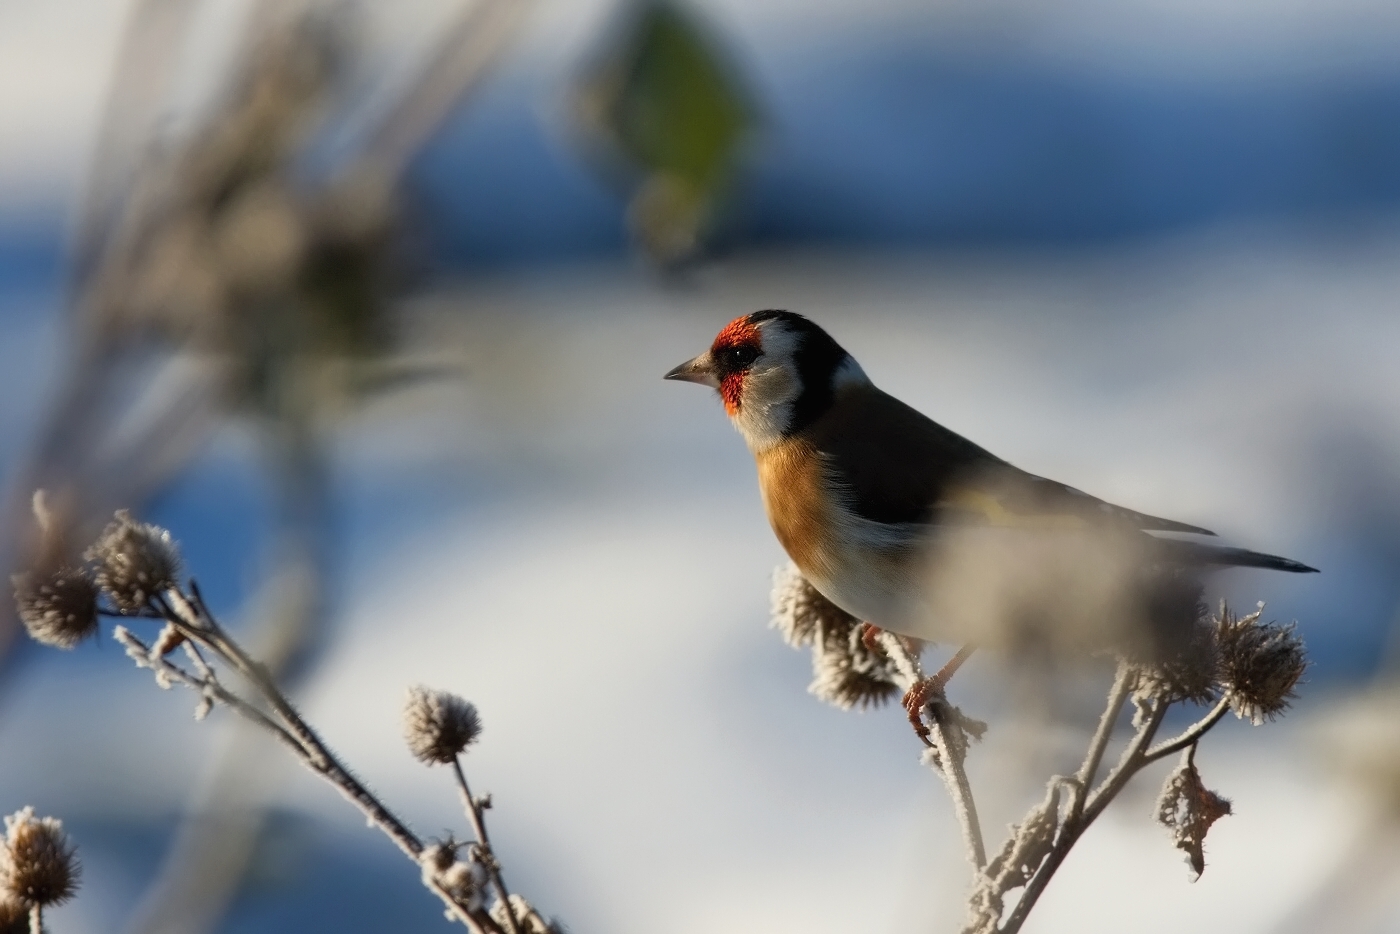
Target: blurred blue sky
908	141
953	124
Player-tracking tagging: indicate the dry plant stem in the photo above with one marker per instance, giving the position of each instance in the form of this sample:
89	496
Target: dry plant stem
194	620
951	763
1133	759
1084	779
146	657
191	618
1079	819
959	789
1191	734
212	690
36	920
473	809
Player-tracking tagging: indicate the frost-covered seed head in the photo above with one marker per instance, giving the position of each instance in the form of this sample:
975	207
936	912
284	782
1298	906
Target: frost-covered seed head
135	561
1187	808
441	855
849	674
1260	664
1188	671
800	612
58	607
438	725
463	880
40	865
466	883
530	920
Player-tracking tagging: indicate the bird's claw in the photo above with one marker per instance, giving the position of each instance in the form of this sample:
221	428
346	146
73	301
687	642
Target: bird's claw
918	695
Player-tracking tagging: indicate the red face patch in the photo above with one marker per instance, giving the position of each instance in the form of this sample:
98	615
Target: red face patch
738	335
731	390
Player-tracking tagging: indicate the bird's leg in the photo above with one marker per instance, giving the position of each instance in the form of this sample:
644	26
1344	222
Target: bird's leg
870	638
922	691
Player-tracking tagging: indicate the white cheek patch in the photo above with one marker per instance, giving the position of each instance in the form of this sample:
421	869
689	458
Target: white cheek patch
770	389
766	409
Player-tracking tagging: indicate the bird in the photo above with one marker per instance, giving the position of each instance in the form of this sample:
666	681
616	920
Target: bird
916	530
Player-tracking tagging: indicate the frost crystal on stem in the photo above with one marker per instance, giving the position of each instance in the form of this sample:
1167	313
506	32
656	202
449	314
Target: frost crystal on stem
531	921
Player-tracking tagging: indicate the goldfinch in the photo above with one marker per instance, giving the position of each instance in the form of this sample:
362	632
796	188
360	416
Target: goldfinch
915	529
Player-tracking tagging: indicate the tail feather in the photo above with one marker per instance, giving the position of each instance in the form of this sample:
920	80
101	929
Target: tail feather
1222	556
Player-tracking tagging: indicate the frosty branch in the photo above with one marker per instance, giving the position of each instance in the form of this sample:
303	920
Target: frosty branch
1223	663
133	573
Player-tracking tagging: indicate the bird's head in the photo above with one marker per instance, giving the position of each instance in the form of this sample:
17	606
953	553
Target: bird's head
776	371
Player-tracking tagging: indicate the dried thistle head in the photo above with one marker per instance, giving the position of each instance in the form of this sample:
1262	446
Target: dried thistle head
463	880
847	672
1260	664
801	613
1188	670
57	606
438	725
14	917
40	865
530	920
1187	808
135	561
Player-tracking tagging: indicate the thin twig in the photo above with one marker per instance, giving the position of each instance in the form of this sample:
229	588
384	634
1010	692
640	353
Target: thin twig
1128	765
1190	734
191	618
478	822
950	762
1074	826
146	658
316	754
1117	696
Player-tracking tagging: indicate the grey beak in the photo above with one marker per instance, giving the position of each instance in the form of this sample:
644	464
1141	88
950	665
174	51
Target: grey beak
700	370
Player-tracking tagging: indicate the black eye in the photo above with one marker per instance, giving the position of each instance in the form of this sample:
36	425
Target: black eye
736	358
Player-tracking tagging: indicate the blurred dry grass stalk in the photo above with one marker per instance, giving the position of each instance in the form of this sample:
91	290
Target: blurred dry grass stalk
235	273
135	569
239	271
1225	662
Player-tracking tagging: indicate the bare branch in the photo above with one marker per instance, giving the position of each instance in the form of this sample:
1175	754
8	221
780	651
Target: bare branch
473	808
949	747
1191	734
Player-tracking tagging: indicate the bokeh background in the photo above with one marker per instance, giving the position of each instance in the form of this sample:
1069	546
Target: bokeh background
372	314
